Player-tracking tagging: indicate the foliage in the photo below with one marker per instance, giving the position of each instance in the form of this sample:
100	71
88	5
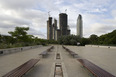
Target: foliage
19	38
106	39
20	34
52	42
84	41
93	39
72	40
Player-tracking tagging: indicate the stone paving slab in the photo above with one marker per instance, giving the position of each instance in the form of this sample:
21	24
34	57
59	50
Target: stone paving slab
105	58
11	61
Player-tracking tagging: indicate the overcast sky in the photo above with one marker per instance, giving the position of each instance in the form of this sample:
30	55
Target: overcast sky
99	16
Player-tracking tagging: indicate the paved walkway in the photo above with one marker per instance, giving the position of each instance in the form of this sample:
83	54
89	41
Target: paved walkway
103	57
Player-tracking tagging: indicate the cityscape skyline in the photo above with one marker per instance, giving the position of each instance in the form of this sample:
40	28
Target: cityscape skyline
99	16
53	32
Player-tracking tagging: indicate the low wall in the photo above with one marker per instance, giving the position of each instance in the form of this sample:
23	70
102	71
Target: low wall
114	47
14	50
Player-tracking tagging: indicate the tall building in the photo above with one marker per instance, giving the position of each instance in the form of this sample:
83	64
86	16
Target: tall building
54	28
49	28
53	32
63	24
58	34
80	26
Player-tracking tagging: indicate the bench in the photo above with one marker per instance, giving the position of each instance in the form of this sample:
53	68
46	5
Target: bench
73	54
63	46
94	69
44	53
52	47
66	49
22	69
49	49
70	52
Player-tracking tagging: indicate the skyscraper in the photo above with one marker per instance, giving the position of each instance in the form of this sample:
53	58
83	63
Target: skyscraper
54	28
49	28
80	26
53	32
63	23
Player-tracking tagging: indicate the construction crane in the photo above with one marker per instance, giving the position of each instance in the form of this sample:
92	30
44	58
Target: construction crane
65	10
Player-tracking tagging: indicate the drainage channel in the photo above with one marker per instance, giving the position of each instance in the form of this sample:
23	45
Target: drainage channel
58	56
58	72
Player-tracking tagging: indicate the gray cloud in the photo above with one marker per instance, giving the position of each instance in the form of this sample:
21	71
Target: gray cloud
9	21
21	13
36	33
19	4
33	13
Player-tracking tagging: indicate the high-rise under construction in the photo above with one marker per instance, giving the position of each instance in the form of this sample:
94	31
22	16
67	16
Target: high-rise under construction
63	23
53	32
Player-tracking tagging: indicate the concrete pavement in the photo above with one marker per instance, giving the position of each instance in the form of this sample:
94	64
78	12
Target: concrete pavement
103	57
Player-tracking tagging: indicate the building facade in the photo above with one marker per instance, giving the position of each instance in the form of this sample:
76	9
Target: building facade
63	23
79	26
49	28
53	33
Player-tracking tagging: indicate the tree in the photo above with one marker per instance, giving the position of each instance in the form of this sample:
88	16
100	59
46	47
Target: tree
68	40
73	42
84	41
94	39
0	38
20	34
108	39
